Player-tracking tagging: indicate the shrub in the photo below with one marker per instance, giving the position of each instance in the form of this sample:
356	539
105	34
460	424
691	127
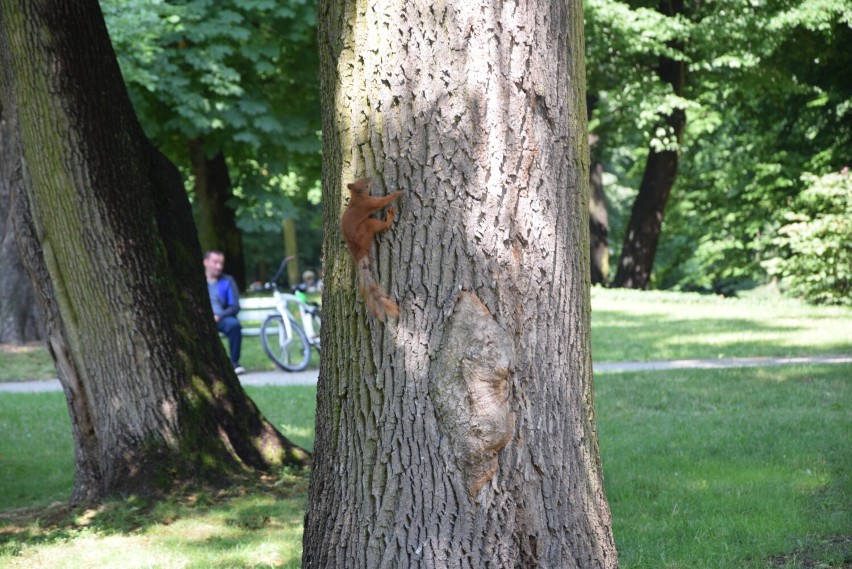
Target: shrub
814	247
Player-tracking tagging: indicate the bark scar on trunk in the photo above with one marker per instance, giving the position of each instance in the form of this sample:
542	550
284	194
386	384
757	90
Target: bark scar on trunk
470	390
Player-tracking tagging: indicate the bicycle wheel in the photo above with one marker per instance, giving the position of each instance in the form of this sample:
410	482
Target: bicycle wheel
290	352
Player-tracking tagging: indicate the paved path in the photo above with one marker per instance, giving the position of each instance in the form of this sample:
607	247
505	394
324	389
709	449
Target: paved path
309	377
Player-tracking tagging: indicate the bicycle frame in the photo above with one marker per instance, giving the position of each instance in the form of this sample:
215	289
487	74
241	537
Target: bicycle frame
283	302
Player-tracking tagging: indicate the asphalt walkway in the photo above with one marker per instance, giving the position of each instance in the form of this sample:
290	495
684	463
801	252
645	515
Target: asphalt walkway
309	377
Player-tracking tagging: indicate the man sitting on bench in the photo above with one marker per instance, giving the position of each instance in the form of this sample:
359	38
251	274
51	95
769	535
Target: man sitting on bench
225	298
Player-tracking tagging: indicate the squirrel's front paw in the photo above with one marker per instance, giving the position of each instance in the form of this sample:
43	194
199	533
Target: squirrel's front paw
391	212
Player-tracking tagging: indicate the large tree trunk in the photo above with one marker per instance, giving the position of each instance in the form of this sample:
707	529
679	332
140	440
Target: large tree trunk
461	434
658	179
107	237
217	220
20	320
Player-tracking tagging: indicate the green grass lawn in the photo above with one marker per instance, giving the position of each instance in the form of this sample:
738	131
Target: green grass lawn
628	326
703	469
725	469
31	361
632	325
40	421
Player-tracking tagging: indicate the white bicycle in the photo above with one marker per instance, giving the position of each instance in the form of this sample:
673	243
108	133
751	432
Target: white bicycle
285	340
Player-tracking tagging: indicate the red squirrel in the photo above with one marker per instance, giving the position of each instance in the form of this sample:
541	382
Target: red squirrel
358	230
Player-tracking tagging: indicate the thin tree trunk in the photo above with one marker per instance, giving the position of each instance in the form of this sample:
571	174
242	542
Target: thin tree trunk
291	249
646	218
461	434
20	320
598	215
107	237
598	226
217	222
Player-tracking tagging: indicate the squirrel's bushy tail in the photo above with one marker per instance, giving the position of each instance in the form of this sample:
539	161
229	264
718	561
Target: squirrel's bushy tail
378	302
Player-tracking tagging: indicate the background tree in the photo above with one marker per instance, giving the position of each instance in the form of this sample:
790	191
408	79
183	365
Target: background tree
106	231
643	230
463	434
774	110
20	320
598	220
228	91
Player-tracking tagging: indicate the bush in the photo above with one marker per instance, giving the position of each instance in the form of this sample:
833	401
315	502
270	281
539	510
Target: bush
814	256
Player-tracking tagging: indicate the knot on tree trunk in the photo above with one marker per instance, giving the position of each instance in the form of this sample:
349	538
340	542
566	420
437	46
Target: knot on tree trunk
470	390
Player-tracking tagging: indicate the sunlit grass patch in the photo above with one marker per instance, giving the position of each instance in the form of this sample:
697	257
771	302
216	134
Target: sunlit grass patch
251	525
657	325
291	409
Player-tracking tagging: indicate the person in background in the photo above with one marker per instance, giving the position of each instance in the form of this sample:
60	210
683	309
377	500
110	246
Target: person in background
309	280
225	299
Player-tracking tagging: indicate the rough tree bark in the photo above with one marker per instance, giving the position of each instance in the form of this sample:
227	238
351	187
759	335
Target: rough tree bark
20	320
463	433
658	179
108	241
217	220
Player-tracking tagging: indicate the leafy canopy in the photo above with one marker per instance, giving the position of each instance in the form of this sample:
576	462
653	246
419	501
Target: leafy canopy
239	75
766	103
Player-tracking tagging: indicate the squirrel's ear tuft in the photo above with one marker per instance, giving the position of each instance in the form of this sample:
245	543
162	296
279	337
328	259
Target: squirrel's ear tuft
360	185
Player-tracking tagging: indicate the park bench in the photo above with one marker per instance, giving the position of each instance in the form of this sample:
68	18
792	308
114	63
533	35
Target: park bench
253	311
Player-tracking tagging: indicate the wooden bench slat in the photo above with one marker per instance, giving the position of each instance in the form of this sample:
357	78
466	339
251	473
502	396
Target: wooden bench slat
257	302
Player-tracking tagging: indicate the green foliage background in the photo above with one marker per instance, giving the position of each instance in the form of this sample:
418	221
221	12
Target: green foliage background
241	75
815	244
767	103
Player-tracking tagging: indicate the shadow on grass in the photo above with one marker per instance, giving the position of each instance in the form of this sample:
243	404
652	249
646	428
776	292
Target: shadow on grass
207	527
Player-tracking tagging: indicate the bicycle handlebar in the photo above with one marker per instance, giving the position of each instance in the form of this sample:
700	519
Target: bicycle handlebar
280	271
